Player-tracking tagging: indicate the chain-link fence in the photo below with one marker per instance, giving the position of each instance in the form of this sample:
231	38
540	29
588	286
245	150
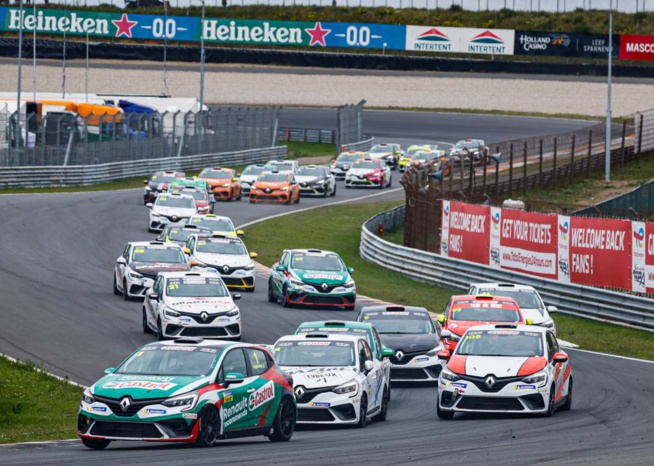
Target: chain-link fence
64	138
349	124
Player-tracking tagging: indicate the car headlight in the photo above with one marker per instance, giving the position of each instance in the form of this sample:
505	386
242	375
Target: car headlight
454	337
148	188
186	401
168	312
295	282
434	352
450	376
154	214
134	275
249	267
319	182
253	188
548	323
349	284
539	379
350	388
87	396
233	313
285	188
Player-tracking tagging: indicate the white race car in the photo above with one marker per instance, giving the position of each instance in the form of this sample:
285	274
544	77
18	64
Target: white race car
336	378
216	223
191	304
369	172
389	153
170	208
226	255
141	261
530	303
282	166
315	180
505	368
249	176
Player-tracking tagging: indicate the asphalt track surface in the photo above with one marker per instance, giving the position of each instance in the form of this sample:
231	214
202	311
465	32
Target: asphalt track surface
58	252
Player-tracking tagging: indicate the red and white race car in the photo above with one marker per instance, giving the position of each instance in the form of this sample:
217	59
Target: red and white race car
505	368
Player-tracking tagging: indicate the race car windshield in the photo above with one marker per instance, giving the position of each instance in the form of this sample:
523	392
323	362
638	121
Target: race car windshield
252	170
217	224
195	194
466	145
424	156
163	178
310	172
177	234
511	343
284	166
167	255
349	157
526	299
372	165
169	361
196	287
400	324
380	150
171	201
215	174
273	177
485	314
221	247
315	353
321	263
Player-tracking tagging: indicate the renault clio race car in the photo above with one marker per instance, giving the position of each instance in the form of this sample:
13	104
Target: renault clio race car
158	183
249	176
335	377
216	223
137	267
505	368
224	183
369	173
204	202
170	208
344	162
389	153
282	166
530	303
411	333
469	151
189	391
315	180
463	312
191	304
227	256
311	277
179	234
405	160
275	186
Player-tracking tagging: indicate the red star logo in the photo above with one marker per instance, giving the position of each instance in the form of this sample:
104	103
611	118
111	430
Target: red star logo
124	26
318	35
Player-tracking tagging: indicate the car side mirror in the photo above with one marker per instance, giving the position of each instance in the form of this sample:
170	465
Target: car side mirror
254	255
560	357
368	366
109	370
121	260
194	263
149	205
233	378
551	309
145	182
240	232
387	352
280	268
446	334
350	270
236	296
293	182
187	251
441	319
212	200
153	296
444	354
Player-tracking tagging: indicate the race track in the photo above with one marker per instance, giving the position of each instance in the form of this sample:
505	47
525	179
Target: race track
58	309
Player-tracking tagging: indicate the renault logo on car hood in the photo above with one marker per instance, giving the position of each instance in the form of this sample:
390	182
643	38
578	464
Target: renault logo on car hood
324	286
125	403
226	268
299	392
399	355
490	381
204	316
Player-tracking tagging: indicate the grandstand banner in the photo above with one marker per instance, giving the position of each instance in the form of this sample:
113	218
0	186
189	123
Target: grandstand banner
467	232
565	44
459	40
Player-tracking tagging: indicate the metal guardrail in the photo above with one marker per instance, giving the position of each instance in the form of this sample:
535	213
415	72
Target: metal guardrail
324	136
577	300
364	145
85	175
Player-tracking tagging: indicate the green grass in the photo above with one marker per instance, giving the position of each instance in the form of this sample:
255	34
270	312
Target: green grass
300	150
35	406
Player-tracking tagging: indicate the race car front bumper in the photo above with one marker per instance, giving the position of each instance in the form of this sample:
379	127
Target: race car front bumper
314	189
137	287
507	395
236	279
308	295
362	181
158	223
322	406
277	195
222	194
187	324
338	172
419	368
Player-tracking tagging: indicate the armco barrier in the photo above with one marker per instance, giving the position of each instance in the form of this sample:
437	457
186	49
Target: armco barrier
364	145
581	301
85	175
324	136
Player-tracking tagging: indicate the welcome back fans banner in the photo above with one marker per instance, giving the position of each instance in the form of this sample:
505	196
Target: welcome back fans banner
585	251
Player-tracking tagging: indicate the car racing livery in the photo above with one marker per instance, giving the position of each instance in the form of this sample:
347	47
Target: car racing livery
505	368
389	153
344	162
464	311
170	208
405	160
369	173
179	234
275	186
311	277
315	180
249	176
191	304
336	378
223	182
158	183
411	333
468	151
203	201
137	267
189	391
227	256
216	223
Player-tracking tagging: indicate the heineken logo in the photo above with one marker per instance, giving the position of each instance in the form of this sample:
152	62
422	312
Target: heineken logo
265	33
57	22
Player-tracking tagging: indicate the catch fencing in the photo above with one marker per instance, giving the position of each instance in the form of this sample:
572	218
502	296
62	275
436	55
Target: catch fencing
428	267
349	124
65	139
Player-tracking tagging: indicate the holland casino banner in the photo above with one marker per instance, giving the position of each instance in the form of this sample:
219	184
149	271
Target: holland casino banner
585	251
564	44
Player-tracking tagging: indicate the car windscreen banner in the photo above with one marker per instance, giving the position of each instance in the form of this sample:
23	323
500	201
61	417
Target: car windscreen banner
468	231
637	48
565	44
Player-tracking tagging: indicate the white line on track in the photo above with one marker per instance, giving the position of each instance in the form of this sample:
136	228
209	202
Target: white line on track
613	355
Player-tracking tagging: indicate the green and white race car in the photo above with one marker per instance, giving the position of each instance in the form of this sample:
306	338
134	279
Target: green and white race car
191	391
311	277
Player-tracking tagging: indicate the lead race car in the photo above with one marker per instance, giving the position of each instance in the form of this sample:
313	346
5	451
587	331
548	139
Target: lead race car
505	368
190	391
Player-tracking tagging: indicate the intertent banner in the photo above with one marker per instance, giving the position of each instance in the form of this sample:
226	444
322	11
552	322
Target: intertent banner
459	40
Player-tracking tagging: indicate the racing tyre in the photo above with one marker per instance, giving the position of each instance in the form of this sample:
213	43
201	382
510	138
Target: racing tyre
284	423
568	401
445	415
297	201
285	302
390	182
252	201
125	295
271	295
363	412
209	427
95	443
116	290
146	328
384	408
347	186
160	335
551	408
333	193
240	194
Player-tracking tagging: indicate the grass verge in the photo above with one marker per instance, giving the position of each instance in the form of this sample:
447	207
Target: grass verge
35	406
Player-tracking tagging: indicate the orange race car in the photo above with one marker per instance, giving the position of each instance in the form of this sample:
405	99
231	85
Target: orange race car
224	183
275	187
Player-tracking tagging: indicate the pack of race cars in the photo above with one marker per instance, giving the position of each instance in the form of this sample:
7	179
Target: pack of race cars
492	350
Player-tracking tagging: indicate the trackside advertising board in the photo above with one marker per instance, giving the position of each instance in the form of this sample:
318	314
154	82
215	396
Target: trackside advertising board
459	40
636	47
586	251
565	44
